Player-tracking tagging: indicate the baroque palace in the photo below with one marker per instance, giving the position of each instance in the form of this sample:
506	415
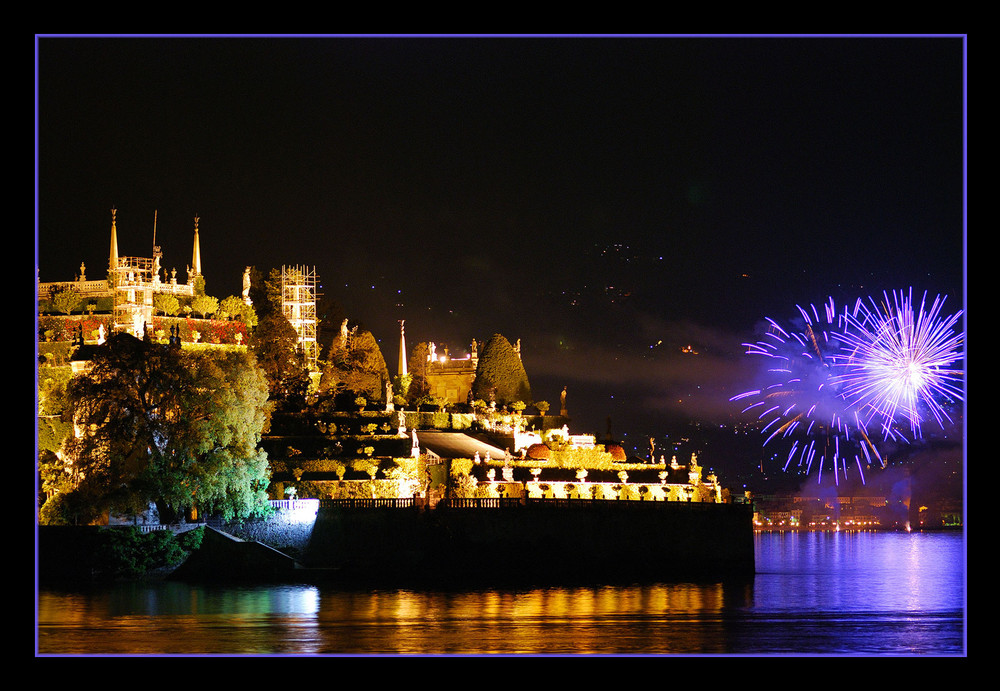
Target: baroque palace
457	452
131	283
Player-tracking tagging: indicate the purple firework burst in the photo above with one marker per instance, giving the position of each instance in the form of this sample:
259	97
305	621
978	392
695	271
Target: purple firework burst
901	363
801	404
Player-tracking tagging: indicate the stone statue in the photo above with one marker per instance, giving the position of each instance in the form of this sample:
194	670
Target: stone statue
343	333
246	286
83	272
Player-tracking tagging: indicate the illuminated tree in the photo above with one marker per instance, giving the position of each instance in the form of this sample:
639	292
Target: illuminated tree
166	303
199	285
231	307
159	425
205	305
67	300
357	366
55	425
500	373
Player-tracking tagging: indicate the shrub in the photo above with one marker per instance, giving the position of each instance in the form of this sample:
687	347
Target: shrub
130	553
461	466
617	452
539	452
191	540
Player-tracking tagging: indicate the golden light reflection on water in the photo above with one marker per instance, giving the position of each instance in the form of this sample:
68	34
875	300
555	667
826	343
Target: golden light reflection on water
537	621
813	593
177	619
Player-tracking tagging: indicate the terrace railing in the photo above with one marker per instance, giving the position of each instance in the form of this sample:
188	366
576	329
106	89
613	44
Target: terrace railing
373	503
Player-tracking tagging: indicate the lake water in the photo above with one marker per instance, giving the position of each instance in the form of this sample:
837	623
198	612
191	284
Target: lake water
866	593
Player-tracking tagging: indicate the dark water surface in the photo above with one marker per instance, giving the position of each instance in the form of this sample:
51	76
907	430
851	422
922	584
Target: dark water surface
814	594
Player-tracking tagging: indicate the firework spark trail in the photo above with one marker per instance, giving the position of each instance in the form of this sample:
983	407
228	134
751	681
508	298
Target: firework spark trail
804	394
844	370
899	362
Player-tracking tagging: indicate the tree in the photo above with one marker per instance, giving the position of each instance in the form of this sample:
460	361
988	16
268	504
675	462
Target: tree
227	473
249	316
163	426
166	303
55	426
357	366
500	373
66	300
400	388
265	291
416	367
275	345
205	305
231	307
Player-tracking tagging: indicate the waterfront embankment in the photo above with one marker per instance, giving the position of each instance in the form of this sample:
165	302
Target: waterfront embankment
548	541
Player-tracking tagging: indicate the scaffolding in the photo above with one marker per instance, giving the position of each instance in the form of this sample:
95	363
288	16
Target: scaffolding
133	294
298	303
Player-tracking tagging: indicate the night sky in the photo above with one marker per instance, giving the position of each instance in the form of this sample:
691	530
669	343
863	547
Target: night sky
609	201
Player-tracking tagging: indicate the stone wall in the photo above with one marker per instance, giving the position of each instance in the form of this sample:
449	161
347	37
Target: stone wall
594	541
287	530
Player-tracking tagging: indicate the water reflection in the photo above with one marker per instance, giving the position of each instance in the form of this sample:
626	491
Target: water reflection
176	618
813	593
545	621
